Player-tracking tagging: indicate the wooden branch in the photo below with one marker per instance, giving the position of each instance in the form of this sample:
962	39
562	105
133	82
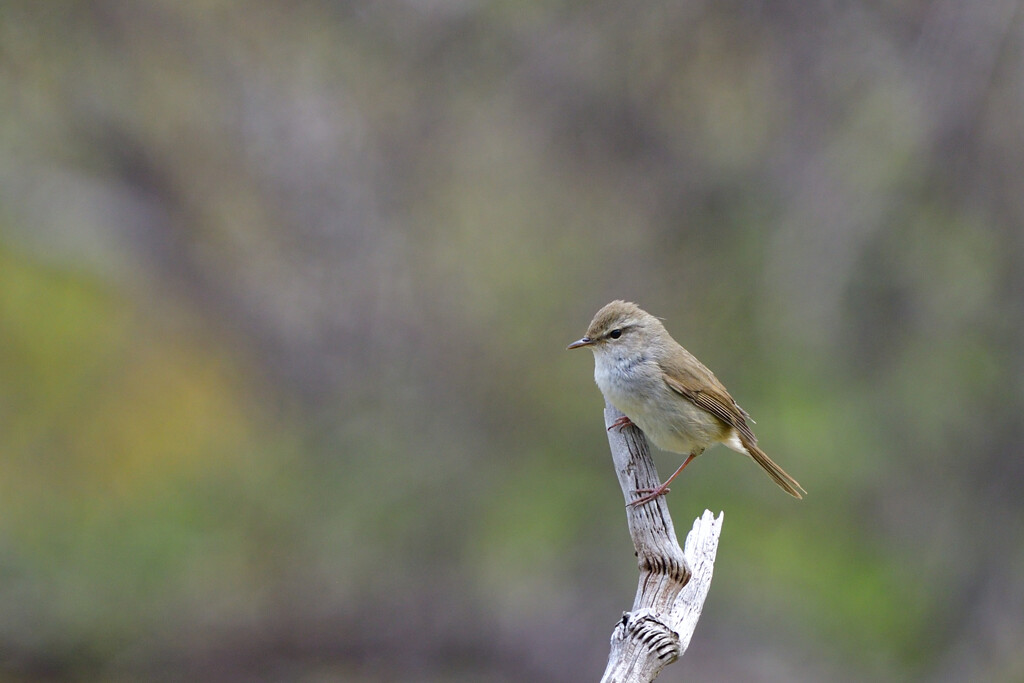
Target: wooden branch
673	582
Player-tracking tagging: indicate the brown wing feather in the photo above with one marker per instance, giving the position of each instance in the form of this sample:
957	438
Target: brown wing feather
699	385
685	378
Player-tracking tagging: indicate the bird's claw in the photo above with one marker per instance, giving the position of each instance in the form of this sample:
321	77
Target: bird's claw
620	423
652	494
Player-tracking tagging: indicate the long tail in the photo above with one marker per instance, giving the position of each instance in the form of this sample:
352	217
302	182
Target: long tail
778	475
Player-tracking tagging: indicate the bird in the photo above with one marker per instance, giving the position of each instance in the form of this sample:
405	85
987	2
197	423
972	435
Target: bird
664	390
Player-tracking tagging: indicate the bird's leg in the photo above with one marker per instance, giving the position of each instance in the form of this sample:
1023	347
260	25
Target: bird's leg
620	423
660	489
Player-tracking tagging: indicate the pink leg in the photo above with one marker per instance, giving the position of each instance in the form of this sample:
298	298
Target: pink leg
620	423
661	489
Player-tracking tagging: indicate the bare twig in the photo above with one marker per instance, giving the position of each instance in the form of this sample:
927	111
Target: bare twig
673	582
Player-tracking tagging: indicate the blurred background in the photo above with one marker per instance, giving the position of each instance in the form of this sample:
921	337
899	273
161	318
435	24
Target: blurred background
285	290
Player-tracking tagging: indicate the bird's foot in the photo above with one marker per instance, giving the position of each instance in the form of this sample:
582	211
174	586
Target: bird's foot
662	489
652	494
620	423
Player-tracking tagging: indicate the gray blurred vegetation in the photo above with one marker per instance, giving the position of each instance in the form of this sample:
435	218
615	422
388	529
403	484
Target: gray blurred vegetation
285	288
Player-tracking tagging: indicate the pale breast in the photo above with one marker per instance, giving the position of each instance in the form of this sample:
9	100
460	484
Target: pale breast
636	387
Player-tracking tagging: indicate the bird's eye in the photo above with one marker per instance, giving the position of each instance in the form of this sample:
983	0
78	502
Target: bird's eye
615	334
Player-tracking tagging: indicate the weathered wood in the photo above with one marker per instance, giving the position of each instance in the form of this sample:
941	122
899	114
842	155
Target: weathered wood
674	582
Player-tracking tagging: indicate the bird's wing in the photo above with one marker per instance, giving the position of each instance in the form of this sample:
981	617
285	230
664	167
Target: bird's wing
711	396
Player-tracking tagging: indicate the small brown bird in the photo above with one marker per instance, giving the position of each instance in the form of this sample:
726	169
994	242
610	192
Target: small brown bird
665	391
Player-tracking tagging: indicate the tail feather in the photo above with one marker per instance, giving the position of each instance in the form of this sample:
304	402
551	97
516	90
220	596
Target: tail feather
778	475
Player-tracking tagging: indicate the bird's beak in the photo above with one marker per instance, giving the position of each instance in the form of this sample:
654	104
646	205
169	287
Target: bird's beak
586	341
